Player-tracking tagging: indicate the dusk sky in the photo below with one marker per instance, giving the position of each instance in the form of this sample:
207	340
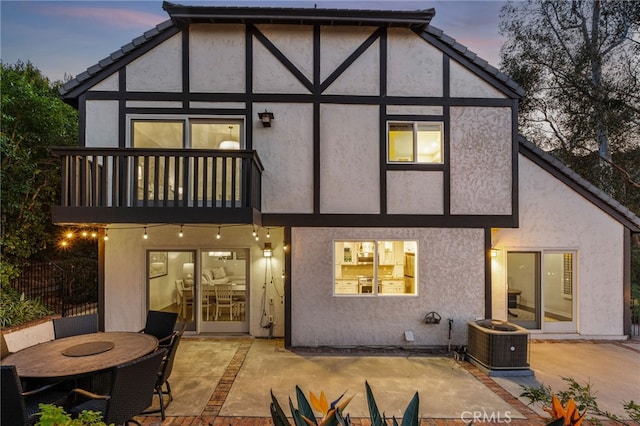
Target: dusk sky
67	37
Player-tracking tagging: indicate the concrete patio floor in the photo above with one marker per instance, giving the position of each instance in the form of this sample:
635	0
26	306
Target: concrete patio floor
222	381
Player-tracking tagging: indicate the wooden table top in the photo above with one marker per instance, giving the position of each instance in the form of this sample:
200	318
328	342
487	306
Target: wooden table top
81	355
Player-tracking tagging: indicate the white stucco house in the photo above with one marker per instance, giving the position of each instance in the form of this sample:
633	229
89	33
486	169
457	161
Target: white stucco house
343	173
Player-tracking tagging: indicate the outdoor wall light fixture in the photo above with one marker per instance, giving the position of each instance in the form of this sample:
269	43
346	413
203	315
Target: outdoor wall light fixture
494	252
267	251
265	118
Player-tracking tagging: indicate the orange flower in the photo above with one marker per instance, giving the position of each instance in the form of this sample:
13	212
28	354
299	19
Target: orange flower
570	415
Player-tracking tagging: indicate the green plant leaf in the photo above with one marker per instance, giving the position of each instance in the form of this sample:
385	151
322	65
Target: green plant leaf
374	413
411	415
277	413
298	418
304	407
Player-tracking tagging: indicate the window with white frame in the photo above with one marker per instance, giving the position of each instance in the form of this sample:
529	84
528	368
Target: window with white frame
418	142
375	267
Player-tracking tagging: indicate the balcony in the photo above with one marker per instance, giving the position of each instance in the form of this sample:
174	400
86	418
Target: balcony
132	185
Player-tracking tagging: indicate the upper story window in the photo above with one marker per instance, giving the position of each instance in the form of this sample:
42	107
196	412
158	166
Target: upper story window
196	133
418	142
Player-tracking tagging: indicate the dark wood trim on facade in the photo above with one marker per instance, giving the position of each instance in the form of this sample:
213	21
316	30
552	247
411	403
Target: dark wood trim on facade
515	169
488	300
626	283
287	288
101	284
186	78
282	58
382	114
386	221
122	107
248	81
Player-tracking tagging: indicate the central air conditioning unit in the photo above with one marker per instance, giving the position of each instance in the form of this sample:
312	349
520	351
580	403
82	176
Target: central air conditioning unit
498	345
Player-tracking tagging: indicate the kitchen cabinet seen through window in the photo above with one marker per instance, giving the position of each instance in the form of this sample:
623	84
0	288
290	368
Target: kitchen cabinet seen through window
375	267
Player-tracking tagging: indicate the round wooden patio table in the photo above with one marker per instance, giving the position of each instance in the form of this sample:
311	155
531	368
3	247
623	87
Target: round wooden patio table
80	355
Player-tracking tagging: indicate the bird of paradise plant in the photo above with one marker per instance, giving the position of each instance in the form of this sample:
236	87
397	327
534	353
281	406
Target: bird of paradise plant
304	415
564	416
333	413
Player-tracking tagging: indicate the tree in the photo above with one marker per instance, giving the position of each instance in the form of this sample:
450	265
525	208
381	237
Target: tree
33	119
579	63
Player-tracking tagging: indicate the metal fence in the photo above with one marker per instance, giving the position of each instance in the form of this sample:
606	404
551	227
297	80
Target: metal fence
67	288
635	317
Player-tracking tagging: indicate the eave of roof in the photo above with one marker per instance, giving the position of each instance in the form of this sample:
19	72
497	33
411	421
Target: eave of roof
600	198
302	16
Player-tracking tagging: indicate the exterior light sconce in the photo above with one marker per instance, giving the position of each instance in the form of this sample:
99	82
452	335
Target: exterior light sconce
494	252
265	118
267	251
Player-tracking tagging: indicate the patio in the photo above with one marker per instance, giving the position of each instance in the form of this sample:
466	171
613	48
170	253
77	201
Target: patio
223	381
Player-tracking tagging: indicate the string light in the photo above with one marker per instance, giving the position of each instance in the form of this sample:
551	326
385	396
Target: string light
106	234
94	234
145	236
85	234
268	233
181	234
69	234
254	233
218	235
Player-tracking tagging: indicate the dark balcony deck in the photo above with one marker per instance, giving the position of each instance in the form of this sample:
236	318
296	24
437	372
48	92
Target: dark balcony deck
133	185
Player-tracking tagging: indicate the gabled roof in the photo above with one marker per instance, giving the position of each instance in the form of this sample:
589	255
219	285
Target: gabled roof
418	21
591	192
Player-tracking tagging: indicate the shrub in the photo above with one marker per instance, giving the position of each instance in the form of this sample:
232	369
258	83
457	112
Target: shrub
16	309
52	415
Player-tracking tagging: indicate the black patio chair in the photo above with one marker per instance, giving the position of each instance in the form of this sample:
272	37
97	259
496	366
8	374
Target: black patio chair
163	375
72	326
20	407
132	387
161	325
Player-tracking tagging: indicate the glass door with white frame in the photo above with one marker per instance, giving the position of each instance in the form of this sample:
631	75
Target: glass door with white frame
224	290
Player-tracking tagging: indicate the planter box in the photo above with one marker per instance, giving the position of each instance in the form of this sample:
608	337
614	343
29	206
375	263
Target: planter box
28	334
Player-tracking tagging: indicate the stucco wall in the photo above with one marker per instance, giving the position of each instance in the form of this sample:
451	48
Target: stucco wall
102	124
286	151
217	58
481	140
553	216
465	84
349	158
160	70
125	271
415	192
414	67
450	282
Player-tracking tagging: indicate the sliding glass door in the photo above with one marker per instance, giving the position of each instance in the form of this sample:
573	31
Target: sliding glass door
541	290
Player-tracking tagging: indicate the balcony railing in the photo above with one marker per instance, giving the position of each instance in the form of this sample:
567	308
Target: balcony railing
153	185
